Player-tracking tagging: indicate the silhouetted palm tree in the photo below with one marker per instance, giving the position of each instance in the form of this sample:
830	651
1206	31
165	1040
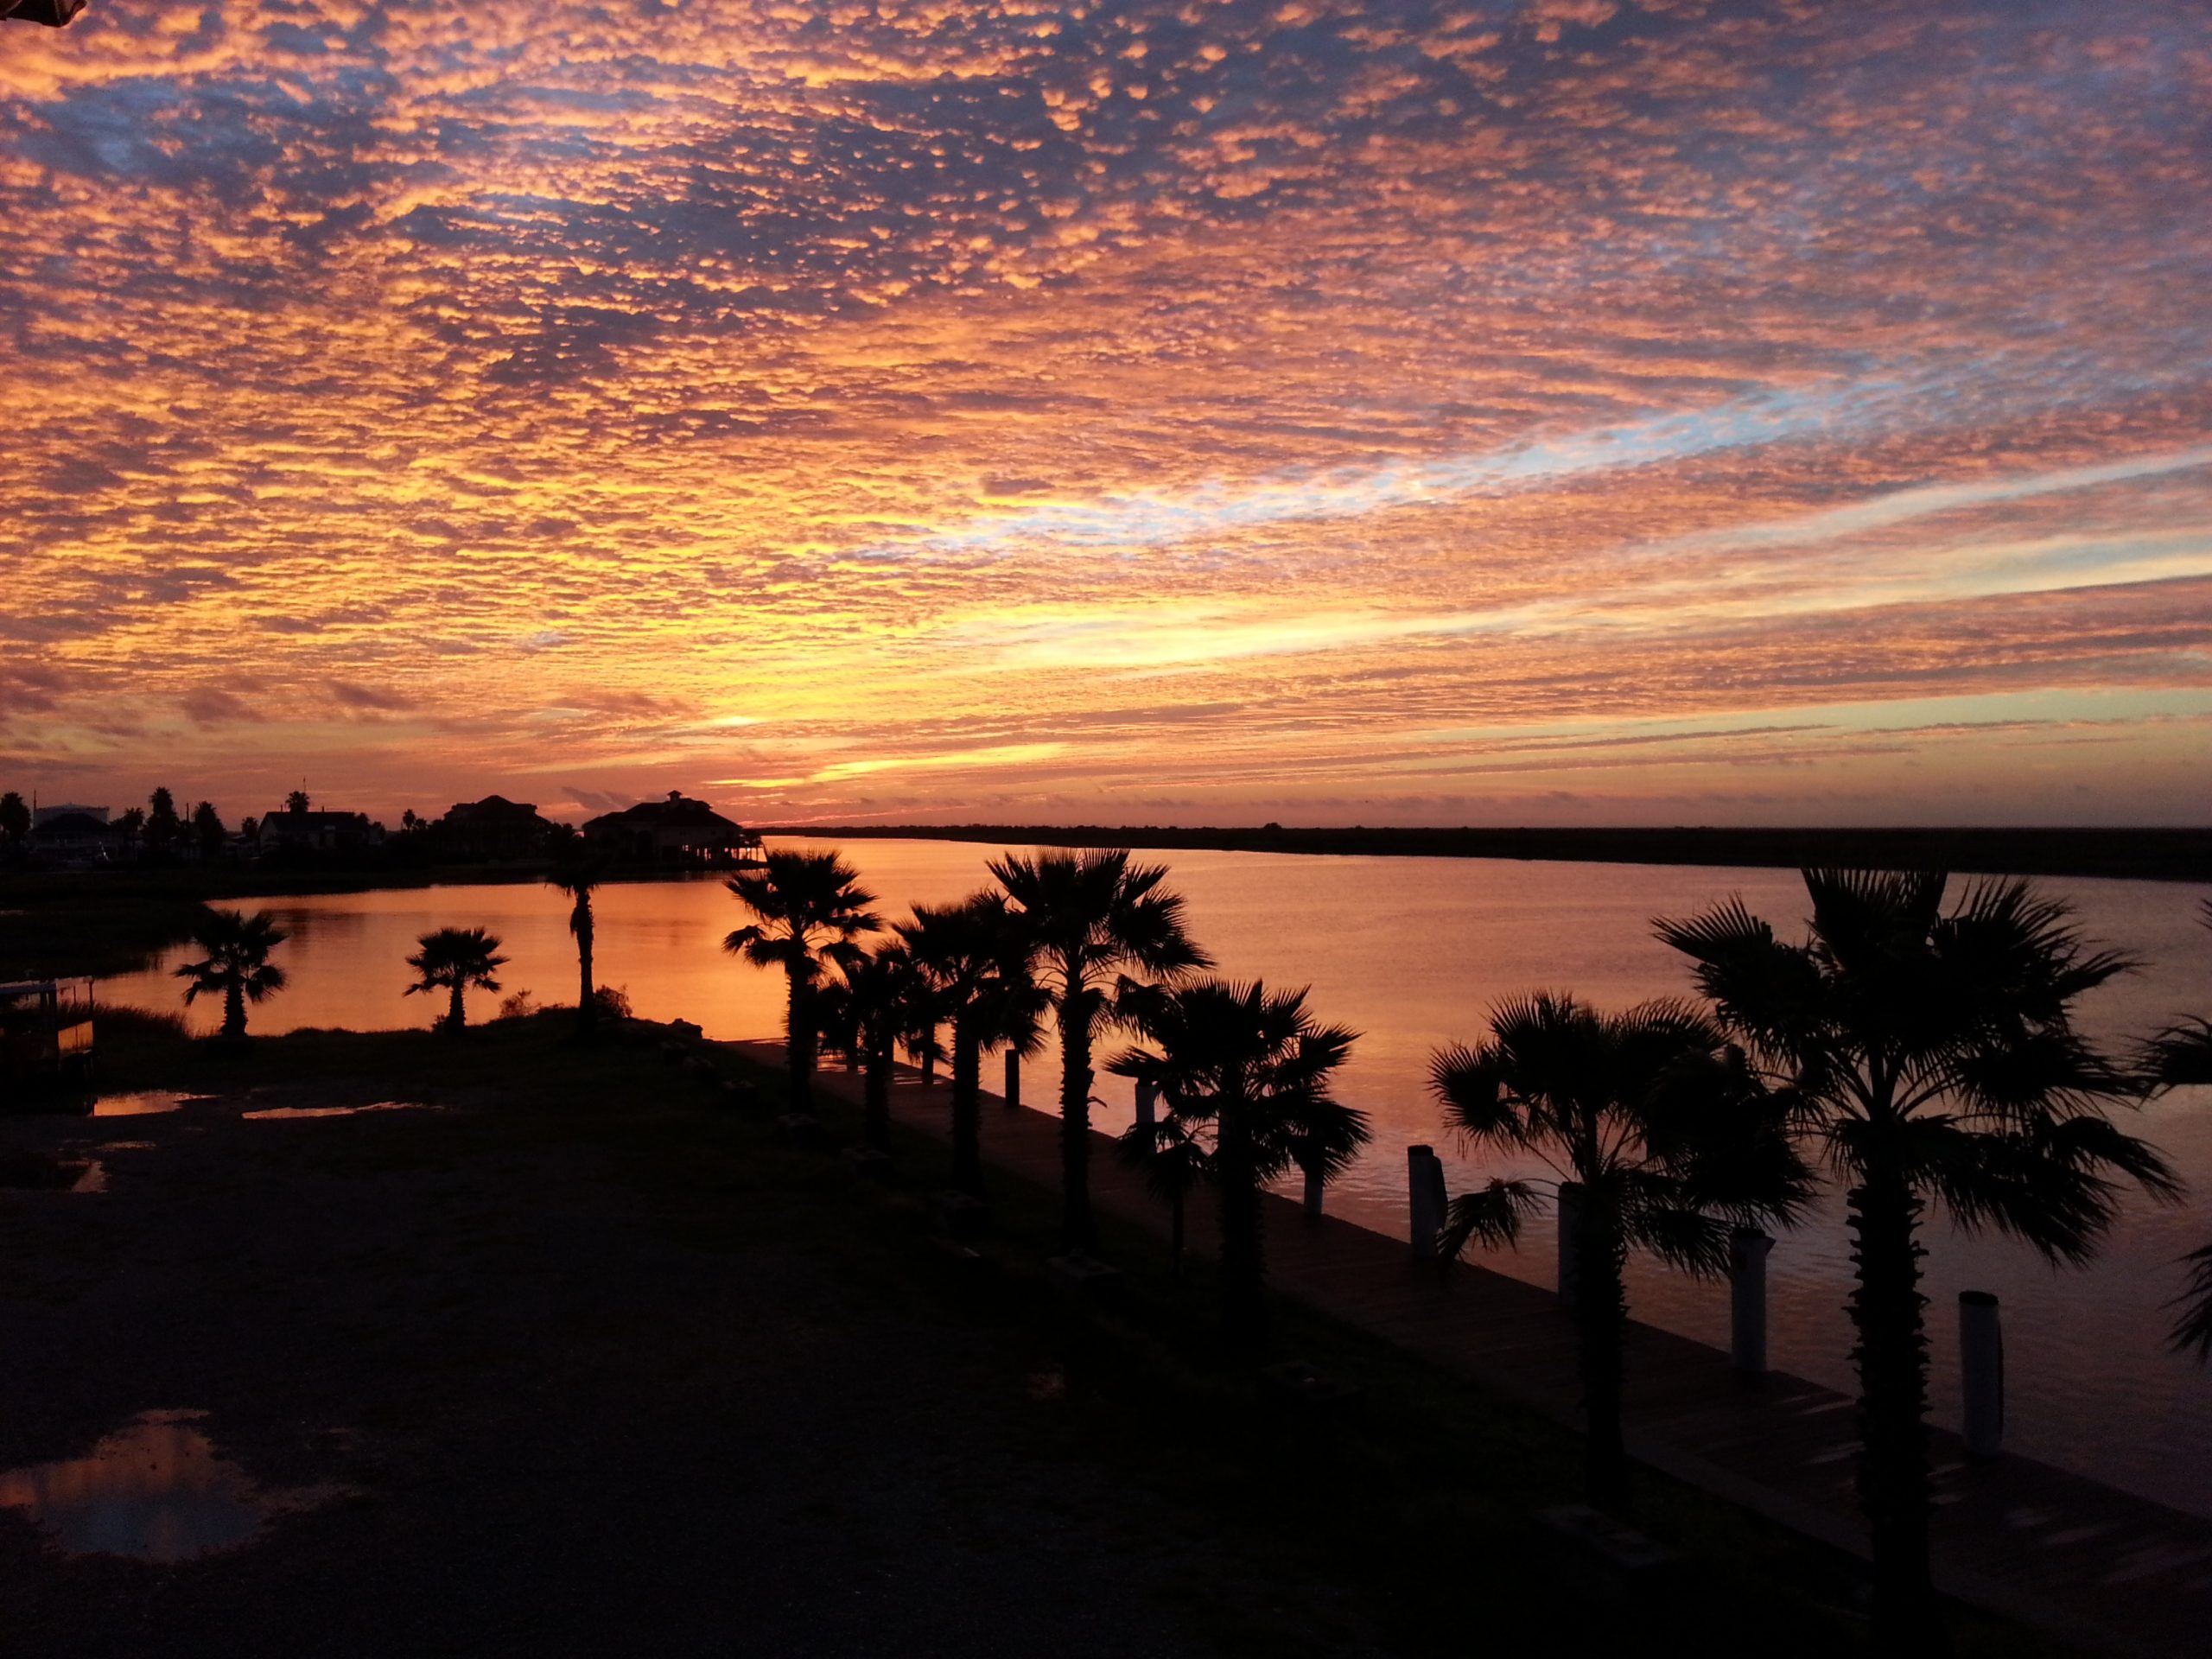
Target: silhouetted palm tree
236	965
1171	1158
1669	1141
578	873
865	1016
208	827
2181	1055
1095	918
975	956
1930	1056
1247	1072
452	959
811	908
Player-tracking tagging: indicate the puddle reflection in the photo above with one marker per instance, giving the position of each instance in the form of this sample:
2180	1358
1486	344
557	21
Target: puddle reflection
155	1491
144	1103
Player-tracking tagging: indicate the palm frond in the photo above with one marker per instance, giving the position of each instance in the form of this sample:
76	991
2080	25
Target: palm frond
2193	1329
2179	1055
1680	1236
1489	1216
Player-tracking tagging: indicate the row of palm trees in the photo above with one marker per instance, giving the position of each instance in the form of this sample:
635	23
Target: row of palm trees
1922	1052
1925	1056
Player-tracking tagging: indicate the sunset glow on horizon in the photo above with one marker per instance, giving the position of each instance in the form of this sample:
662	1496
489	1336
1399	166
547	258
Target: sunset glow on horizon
1559	411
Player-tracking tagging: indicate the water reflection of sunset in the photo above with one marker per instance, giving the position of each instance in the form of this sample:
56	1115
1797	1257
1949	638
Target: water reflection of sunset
1388	412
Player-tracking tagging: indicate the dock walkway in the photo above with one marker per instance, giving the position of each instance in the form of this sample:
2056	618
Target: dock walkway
2083	1560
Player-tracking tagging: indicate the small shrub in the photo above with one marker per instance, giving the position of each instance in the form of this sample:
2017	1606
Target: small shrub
520	1005
613	1002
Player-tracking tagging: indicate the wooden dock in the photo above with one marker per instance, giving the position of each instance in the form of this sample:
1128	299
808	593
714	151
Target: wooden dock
2090	1564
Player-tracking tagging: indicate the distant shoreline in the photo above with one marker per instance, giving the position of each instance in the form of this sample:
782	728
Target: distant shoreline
2140	854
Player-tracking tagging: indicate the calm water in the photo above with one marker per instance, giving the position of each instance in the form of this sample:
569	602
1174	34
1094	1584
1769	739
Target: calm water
1412	952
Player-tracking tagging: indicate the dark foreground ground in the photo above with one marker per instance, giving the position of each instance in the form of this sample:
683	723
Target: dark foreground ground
605	1370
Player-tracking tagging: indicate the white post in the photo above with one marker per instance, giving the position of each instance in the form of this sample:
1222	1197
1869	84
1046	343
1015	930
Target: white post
1312	1192
1148	1098
1570	1218
1013	1078
1747	1252
1981	1373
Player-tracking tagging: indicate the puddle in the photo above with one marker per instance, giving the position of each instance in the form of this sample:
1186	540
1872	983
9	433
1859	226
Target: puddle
155	1491
145	1103
340	1111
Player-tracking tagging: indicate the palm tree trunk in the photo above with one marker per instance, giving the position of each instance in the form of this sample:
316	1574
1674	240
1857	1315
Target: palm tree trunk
1243	1268
1175	1237
1076	1232
799	1042
876	1108
457	1016
587	1002
1601	1320
1891	1355
967	1110
234	1010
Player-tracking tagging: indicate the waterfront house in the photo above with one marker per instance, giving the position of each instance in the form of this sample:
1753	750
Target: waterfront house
493	829
304	832
678	833
78	839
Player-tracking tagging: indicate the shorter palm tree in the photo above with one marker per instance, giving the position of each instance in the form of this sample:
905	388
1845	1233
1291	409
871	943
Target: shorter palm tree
453	959
578	873
1247	1072
1171	1158
974	958
864	1015
1094	919
810	909
1668	1139
236	965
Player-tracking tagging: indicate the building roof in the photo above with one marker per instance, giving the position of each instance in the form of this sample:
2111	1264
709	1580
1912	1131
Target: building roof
64	825
678	811
493	806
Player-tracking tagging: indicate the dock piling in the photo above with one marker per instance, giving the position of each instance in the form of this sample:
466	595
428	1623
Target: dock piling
1981	1373
1747	1252
1424	1197
1570	1223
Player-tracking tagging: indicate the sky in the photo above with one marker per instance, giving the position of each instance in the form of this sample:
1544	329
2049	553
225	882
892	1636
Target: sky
1491	412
